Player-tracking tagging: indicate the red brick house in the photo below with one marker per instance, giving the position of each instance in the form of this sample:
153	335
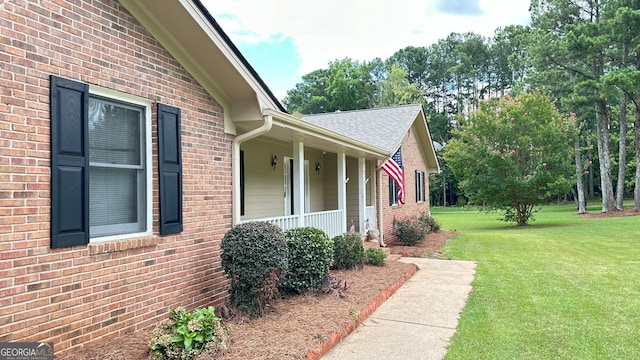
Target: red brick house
401	127
133	135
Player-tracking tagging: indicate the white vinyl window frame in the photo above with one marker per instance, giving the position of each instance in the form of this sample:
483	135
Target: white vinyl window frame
145	208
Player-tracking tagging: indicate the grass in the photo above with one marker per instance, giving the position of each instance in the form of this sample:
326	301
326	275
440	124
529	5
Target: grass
563	288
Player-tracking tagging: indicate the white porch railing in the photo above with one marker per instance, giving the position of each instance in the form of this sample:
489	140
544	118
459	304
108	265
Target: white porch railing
370	213
328	221
283	222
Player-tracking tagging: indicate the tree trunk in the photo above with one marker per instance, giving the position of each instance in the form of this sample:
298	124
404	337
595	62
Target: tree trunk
582	207
604	154
622	153
592	192
636	190
622	149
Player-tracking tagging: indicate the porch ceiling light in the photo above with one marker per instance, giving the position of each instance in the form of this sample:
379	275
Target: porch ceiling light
274	162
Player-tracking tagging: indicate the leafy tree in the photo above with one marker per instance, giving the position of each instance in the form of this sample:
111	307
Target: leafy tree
573	40
514	154
396	89
623	20
345	85
510	60
309	96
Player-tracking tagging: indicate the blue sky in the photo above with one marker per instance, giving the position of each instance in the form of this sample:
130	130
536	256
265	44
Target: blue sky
285	39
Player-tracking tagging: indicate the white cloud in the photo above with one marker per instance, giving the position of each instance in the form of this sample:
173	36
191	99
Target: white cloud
359	29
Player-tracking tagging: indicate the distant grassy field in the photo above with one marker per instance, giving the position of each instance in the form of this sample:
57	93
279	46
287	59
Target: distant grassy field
564	287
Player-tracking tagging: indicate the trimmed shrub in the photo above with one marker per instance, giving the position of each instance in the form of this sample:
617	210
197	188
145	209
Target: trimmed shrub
428	222
373	256
348	251
254	257
185	335
409	230
310	255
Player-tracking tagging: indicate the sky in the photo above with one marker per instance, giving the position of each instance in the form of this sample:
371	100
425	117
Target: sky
286	39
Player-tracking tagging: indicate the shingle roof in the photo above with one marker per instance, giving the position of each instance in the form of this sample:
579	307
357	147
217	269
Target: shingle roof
382	127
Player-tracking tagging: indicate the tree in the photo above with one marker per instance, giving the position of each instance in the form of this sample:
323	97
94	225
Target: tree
345	85
572	37
510	60
513	154
396	89
624	23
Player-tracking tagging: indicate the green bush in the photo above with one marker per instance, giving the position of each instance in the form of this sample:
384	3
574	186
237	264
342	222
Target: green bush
185	335
373	256
348	252
310	255
462	201
254	257
409	230
428	222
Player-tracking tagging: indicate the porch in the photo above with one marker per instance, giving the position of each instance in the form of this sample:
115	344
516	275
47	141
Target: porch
292	185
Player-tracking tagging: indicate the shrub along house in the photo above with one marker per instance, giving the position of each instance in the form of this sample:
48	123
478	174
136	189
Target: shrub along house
133	135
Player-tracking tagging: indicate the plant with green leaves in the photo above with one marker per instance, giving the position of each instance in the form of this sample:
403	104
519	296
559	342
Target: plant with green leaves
185	335
310	256
431	224
375	257
254	257
409	230
348	251
514	154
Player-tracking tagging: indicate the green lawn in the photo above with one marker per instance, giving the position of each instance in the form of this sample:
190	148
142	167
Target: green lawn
562	288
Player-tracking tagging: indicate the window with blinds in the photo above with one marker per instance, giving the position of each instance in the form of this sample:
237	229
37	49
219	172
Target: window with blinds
116	167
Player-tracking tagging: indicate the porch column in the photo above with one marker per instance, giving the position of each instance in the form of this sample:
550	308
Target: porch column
342	189
362	193
298	181
379	204
373	223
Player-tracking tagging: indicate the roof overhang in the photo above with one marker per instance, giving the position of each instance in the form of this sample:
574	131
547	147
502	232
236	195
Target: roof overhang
421	131
288	128
187	30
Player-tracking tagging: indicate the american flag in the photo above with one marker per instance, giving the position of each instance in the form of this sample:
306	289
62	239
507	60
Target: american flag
393	168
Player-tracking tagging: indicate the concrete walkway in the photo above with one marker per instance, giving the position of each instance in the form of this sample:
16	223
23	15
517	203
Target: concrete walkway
417	321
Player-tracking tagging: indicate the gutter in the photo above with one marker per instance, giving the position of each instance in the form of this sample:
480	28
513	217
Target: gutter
235	164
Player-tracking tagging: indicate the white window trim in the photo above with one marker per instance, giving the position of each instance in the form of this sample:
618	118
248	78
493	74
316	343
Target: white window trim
146	104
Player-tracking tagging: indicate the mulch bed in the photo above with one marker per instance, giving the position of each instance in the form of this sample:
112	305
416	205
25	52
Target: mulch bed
296	326
615	213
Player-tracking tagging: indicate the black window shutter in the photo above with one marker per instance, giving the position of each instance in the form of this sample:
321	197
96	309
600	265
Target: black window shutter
417	181
69	106
423	176
170	169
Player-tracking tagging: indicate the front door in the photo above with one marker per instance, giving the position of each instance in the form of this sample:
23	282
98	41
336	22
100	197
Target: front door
289	192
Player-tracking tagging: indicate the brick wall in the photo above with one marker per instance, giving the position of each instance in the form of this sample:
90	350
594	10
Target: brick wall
73	296
411	160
